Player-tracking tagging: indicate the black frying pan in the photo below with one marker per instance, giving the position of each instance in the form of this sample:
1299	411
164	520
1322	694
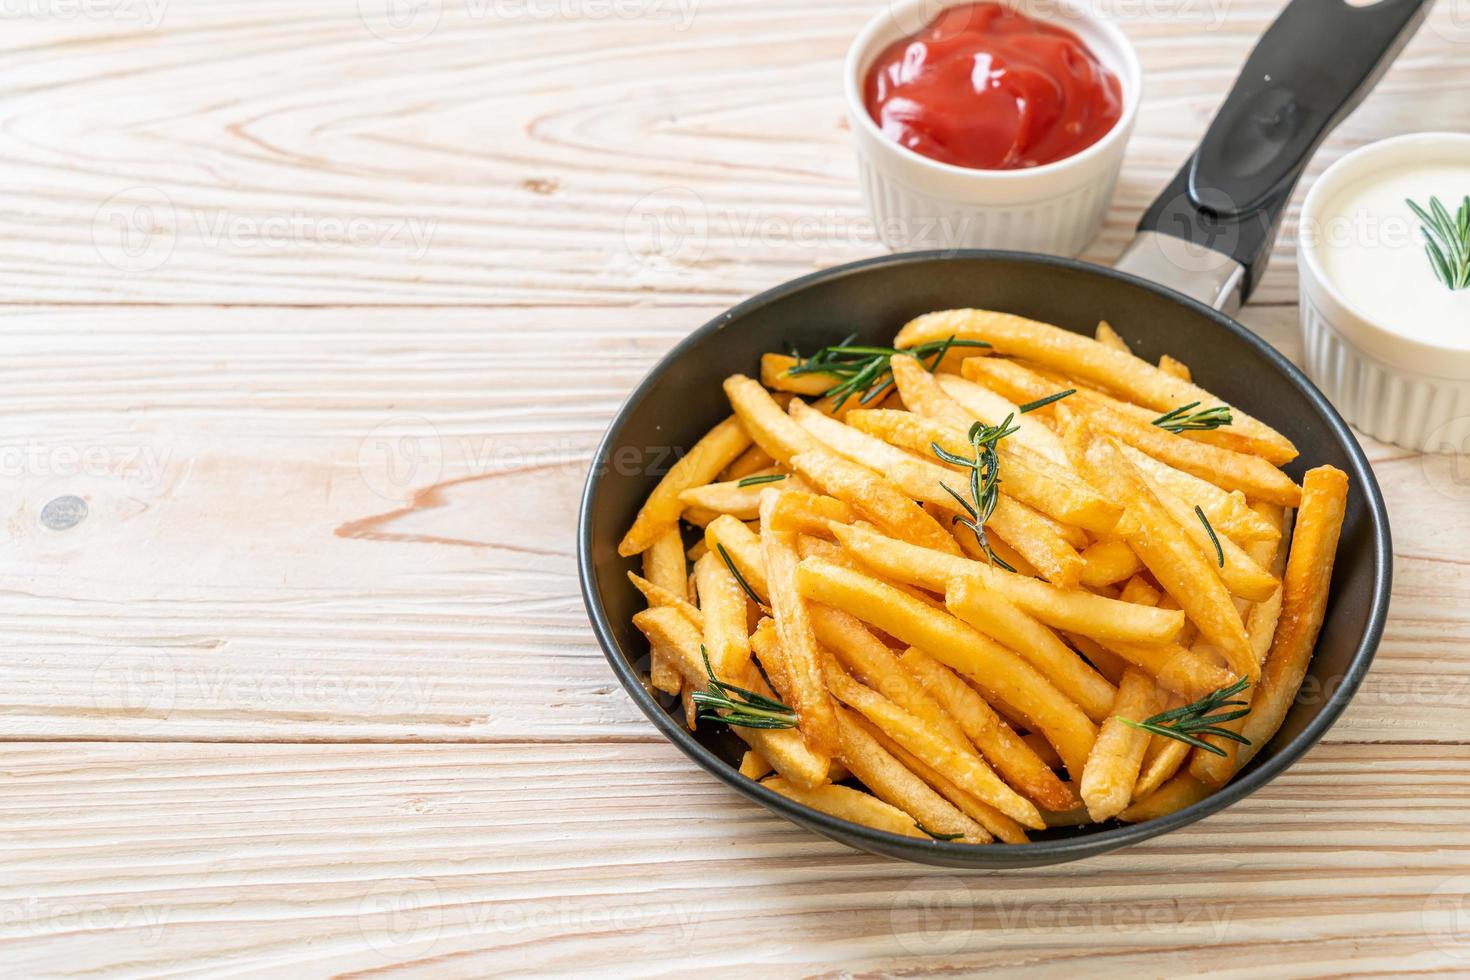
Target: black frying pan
1320	58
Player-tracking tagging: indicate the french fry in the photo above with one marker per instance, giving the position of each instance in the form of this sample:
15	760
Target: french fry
1107	336
701	464
1073	611
1177	668
774	376
1162	760
664	571
1015	760
992	409
966	769
1304	589
1260	627
922	393
722	604
731	498
814	709
1108	562
1037	541
1229	512
1239	572
1175	368
787	751
765	420
993	615
743	546
1087	360
1113	765
1178	793
657	595
753	460
803	512
1004	674
848	804
1003	827
753	765
1165	548
875	495
1029	477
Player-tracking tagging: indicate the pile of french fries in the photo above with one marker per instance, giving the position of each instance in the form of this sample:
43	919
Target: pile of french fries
1118	633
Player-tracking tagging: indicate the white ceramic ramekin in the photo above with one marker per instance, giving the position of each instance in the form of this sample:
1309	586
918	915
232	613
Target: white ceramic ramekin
919	203
1393	387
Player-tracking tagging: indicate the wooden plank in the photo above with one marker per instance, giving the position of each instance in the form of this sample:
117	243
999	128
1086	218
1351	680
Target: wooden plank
269	153
358	524
156	860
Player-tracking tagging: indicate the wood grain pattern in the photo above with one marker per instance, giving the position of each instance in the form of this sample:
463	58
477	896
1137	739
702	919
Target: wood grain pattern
321	311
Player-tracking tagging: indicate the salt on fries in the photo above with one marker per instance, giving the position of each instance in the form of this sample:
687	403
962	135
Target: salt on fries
999	578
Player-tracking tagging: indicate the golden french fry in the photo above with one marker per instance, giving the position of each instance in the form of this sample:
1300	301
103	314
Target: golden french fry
1087	360
1175	368
1176	668
1304	590
1109	337
1016	761
701	464
1003	827
1181	791
665	573
657	595
925	394
1165	548
849	804
876	496
1112	767
1108	562
722	603
787	751
753	765
1037	541
1260	627
803	512
774	376
1239	572
1073	611
1002	673
1029	477
1162	761
967	769
753	460
993	615
985	405
765	420
743	546
1229	512
889	779
731	498
789	609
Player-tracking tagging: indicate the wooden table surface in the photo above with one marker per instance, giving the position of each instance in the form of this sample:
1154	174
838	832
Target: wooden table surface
319	310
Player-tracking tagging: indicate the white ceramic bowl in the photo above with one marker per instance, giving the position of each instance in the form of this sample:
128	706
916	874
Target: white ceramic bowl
919	203
1391	385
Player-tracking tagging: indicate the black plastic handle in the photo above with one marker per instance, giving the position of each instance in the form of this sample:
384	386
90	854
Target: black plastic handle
1312	67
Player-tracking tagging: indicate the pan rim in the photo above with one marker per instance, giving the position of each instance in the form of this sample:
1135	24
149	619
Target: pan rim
993	856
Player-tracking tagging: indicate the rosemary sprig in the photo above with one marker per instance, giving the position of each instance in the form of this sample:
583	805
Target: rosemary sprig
1219	551
863	369
1043	402
1180	419
755	481
984	480
1447	241
1187	723
738	577
937	836
743	709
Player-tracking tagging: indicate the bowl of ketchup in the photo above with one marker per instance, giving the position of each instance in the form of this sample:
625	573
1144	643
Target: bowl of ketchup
990	125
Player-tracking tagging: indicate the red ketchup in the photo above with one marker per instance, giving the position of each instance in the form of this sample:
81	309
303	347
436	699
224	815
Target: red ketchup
987	87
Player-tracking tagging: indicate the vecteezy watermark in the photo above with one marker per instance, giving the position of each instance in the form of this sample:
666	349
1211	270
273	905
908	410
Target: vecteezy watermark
409	21
138	230
1450	19
401	913
911	18
1446	460
1445	917
146	14
143	465
135	687
941	915
36	916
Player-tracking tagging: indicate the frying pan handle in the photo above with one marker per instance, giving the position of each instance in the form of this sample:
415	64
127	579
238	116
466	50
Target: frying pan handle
1312	67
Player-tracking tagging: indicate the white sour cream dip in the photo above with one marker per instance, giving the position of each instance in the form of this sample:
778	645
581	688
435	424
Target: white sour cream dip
1371	249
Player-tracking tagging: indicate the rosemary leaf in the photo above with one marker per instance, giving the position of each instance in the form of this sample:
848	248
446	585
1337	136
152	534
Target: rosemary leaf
1219	551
